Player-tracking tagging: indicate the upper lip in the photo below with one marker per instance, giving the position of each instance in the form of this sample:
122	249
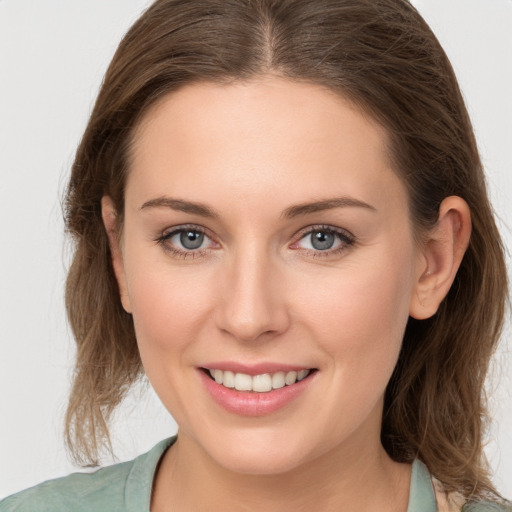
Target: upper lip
254	369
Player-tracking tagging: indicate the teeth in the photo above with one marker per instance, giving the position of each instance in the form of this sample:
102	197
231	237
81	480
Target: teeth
218	376
302	374
262	383
278	380
228	379
290	378
243	382
258	383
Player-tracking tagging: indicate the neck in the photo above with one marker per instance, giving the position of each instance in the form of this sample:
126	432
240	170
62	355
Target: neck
348	478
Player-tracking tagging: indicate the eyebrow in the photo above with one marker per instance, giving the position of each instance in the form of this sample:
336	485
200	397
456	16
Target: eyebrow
325	204
291	212
181	206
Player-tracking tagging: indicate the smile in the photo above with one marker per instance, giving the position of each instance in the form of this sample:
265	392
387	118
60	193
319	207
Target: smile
257	390
262	383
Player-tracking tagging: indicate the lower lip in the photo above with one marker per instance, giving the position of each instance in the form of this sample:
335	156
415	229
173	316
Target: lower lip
250	403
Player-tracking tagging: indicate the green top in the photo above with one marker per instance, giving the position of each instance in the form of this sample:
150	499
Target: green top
126	487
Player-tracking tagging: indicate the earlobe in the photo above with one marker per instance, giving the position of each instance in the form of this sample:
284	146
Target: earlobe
442	254
110	222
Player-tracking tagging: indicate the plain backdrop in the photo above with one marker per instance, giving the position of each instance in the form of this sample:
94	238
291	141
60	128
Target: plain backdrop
53	54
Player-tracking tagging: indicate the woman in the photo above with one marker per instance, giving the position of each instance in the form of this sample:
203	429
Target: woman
280	218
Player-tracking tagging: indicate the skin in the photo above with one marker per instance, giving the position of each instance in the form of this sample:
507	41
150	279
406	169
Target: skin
258	291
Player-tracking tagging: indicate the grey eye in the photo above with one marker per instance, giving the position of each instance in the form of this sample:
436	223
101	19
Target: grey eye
322	240
191	239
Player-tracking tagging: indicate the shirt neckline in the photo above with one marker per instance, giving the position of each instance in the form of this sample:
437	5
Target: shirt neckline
139	483
421	491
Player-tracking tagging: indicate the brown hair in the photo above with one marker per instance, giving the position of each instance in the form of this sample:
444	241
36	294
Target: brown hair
382	56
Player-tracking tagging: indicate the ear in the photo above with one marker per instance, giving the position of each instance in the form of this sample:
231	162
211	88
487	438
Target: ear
109	215
442	253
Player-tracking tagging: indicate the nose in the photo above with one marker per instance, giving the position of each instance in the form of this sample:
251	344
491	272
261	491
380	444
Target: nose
252	305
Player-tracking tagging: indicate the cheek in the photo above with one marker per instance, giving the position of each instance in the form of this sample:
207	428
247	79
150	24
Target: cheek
168	305
359	320
361	311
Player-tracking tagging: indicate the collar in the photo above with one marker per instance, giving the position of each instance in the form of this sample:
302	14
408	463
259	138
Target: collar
421	494
140	482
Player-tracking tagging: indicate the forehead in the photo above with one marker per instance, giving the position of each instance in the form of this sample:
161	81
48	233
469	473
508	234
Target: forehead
261	138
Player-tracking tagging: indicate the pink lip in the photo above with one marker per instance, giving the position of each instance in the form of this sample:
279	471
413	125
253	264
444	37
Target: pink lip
253	369
253	404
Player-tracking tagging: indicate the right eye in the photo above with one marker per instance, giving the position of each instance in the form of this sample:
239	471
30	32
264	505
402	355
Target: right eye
324	241
186	241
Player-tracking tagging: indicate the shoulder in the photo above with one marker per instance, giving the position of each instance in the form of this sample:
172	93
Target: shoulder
108	488
73	492
455	502
486	506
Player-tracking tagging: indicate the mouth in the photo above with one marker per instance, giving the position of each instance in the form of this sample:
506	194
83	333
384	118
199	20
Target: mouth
262	383
256	390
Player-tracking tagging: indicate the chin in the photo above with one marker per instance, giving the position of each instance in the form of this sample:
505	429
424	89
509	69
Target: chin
265	453
270	462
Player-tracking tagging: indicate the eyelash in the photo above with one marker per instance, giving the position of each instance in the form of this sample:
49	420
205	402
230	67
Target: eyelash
164	238
347	240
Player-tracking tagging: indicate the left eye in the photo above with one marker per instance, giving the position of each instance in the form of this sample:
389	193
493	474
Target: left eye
188	239
322	240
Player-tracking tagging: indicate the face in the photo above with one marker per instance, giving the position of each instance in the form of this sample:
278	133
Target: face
266	238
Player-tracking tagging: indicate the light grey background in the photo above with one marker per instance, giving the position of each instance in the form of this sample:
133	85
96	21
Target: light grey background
53	54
